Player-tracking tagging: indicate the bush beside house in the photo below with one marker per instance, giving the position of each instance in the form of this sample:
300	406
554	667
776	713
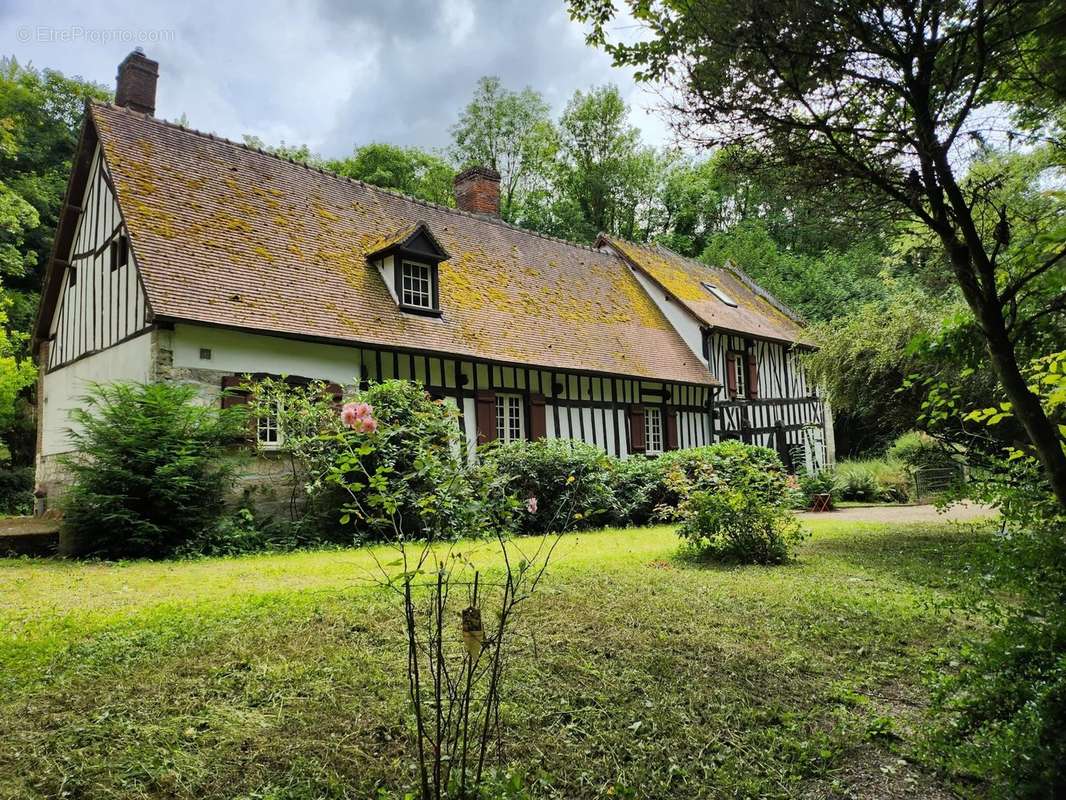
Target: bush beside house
148	471
154	473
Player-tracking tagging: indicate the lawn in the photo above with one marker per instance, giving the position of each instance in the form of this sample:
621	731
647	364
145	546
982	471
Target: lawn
635	675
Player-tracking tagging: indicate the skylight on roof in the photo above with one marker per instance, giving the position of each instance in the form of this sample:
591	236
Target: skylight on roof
720	294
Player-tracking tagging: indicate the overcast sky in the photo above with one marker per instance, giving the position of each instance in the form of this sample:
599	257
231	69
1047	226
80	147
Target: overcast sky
328	73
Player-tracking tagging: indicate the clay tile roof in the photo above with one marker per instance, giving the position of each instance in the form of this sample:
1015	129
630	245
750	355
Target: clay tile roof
228	235
756	313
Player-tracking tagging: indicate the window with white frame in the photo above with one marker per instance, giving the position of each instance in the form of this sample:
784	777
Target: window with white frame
653	430
740	375
267	432
416	284
510	422
720	293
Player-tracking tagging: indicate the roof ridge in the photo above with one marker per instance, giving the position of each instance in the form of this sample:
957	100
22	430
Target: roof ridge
369	186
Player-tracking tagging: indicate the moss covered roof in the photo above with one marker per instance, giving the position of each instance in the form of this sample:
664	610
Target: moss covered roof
756	313
229	235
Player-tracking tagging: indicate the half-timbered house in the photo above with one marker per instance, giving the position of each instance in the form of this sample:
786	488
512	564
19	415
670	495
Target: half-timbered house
181	256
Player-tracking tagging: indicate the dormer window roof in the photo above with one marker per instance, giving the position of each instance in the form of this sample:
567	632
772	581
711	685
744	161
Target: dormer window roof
408	260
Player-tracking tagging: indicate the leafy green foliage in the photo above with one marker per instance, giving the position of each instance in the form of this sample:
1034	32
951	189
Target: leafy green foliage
512	133
41	113
406	477
731	502
818	484
16	490
406	169
737	526
864	360
570	481
748	468
149	473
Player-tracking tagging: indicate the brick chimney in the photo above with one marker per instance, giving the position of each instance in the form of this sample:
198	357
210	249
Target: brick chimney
477	190
135	83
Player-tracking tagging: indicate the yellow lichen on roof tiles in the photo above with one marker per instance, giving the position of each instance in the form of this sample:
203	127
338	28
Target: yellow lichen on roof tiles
505	294
683	278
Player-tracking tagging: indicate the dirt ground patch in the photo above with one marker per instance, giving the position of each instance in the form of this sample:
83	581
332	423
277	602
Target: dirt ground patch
960	512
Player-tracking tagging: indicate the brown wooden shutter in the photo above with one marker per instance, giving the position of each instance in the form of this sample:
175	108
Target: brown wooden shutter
233	395
538	420
731	375
636	429
671	428
753	376
335	392
485	403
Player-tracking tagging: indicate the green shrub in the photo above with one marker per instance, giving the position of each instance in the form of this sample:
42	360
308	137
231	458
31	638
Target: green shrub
637	484
571	481
1002	714
407	475
16	490
148	472
822	482
730	464
737	526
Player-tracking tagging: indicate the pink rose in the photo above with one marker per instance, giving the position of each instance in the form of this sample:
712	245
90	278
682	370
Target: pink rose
531	505
363	409
350	414
369	425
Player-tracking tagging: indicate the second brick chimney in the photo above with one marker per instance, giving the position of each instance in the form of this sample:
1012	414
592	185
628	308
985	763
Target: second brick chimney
477	190
135	84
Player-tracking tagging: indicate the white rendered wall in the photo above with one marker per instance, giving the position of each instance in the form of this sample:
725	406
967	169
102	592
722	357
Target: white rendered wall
240	352
63	387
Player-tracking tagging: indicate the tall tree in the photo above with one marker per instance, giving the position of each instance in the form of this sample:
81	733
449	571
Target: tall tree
599	154
509	131
885	101
40	115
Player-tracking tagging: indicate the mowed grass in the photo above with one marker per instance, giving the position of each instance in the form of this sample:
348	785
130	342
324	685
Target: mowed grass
632	674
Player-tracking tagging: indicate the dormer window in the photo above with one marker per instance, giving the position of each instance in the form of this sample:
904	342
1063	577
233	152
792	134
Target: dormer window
720	294
408	261
416	284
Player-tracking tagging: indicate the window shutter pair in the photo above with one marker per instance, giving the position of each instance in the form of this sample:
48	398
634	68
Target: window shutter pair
485	413
232	394
752	374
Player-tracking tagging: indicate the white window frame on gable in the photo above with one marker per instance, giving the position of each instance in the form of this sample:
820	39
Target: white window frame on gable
416	284
719	293
510	418
653	430
740	374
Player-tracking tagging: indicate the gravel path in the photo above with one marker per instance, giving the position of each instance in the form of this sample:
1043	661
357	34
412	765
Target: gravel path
960	512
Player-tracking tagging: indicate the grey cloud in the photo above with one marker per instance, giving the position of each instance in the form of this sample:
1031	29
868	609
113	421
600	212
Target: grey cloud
331	74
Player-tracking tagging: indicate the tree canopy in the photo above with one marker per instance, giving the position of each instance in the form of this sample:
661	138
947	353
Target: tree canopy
889	103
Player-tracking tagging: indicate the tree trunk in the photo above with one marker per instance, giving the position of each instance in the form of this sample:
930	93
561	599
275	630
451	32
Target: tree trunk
1025	405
